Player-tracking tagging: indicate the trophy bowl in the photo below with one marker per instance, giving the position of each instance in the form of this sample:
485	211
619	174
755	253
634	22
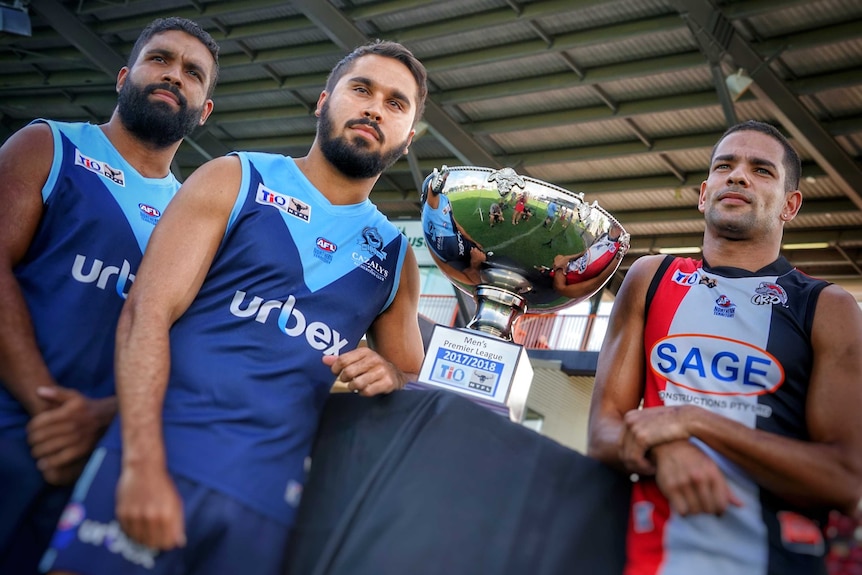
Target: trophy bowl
517	244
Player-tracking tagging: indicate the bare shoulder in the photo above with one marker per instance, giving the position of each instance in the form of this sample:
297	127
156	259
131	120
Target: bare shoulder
641	272
25	162
835	295
217	182
838	315
29	151
224	167
34	134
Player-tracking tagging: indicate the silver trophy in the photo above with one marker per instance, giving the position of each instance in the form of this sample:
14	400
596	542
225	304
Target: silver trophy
516	245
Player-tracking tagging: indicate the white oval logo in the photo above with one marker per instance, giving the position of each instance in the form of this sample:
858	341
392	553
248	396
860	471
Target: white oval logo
715	365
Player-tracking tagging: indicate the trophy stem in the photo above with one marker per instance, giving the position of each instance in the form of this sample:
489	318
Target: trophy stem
496	311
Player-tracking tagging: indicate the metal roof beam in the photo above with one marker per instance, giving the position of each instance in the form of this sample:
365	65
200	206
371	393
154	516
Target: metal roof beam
781	101
347	36
646	244
79	35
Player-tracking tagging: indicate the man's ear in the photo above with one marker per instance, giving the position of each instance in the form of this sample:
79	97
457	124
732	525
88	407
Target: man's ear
701	200
409	141
121	78
208	109
320	100
792	205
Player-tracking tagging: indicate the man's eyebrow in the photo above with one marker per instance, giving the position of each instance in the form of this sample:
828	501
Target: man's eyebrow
396	93
170	54
725	158
753	160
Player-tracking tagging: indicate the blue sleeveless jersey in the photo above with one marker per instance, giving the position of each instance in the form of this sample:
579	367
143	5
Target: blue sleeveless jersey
98	216
295	278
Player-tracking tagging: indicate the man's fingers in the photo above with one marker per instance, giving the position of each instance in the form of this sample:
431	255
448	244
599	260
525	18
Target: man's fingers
45	422
51	445
712	497
60	458
155	526
55	393
65	475
40	433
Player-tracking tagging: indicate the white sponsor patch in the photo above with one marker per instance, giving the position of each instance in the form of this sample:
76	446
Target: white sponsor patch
100	167
287	204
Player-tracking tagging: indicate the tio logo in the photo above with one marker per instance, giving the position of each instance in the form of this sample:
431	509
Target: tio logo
451	373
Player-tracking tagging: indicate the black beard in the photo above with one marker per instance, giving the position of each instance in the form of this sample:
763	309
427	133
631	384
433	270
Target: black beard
156	122
352	159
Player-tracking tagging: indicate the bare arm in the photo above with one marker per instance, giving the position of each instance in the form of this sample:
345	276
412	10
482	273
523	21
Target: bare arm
620	371
825	471
394	338
174	266
25	161
583	288
690	480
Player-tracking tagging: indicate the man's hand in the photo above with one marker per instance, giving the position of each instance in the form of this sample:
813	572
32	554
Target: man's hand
691	481
365	371
65	474
62	437
149	508
561	261
646	428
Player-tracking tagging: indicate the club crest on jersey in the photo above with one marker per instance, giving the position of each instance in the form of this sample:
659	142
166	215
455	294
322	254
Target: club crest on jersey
324	249
287	204
724	307
372	242
99	167
800	534
769	293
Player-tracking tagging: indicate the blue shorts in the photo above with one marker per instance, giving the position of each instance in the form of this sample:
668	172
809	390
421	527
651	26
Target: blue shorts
454	250
223	536
29	508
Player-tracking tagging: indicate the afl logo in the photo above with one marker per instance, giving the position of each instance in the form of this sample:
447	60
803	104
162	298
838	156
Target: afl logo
715	365
72	516
326	245
149	210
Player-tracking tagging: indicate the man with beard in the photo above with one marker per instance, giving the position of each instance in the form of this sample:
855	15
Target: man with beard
79	204
261	279
748	375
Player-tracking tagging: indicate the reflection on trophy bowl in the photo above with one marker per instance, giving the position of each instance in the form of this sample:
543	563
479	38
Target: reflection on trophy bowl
517	244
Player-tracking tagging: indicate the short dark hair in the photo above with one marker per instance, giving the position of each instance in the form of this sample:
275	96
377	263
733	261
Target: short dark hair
389	50
792	163
160	25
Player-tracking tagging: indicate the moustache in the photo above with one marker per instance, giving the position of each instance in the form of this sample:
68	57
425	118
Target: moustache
168	88
366	122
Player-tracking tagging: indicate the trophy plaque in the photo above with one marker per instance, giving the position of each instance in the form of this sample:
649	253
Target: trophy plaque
516	245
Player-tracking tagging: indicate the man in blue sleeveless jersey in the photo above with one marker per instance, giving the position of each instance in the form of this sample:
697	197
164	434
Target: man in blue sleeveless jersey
452	248
80	202
749	375
261	279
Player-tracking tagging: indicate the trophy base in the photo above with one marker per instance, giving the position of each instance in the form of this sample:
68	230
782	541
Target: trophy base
494	373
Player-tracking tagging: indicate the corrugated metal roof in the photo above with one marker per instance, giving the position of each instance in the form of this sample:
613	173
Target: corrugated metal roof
616	99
